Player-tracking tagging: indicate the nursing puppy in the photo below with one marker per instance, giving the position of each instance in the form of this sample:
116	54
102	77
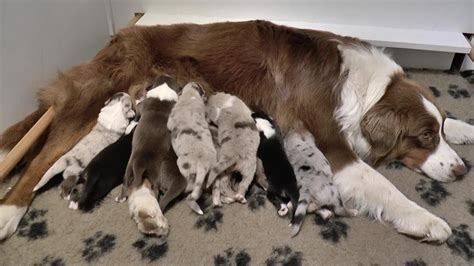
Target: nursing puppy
314	176
191	140
278	170
106	170
150	145
238	140
112	122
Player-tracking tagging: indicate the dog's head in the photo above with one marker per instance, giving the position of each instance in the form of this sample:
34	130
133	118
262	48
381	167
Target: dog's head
194	89
117	112
265	124
164	88
407	125
216	103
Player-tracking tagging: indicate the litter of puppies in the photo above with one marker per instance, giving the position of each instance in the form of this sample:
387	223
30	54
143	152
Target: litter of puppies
181	141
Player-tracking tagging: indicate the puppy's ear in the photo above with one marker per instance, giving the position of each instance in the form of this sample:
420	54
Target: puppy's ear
383	128
213	113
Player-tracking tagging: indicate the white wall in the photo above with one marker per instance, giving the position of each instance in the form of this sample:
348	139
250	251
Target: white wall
442	15
38	38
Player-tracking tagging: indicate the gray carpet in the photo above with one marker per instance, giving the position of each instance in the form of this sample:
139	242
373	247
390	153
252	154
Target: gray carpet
51	234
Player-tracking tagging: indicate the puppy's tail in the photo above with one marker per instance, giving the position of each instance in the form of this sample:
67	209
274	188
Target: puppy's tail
298	217
201	173
58	167
219	168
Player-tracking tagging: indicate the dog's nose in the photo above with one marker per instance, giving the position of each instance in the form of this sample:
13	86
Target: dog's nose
459	170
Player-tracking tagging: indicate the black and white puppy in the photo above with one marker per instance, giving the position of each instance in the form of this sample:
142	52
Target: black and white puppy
106	171
278	170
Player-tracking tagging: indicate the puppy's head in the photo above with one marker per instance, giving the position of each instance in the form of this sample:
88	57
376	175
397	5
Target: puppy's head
407	125
195	89
117	112
265	124
164	88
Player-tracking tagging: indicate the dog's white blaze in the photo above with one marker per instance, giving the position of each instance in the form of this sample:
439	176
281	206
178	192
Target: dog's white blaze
113	118
265	126
162	92
10	216
374	195
439	165
369	73
458	132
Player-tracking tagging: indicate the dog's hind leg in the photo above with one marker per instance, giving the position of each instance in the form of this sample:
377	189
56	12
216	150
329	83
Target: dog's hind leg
298	218
247	170
15	203
458	132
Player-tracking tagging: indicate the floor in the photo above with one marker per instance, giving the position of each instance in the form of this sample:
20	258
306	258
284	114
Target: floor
51	234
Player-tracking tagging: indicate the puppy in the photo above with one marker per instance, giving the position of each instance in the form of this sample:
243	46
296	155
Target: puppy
150	145
278	170
106	170
192	141
238	140
112	122
314	176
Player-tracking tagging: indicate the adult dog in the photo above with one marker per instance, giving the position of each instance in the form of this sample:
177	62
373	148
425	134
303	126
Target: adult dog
354	99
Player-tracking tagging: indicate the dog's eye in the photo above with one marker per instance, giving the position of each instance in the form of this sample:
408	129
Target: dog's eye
427	134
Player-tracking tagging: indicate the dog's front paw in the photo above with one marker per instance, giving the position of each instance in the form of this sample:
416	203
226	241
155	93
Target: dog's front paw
283	210
66	188
424	225
10	216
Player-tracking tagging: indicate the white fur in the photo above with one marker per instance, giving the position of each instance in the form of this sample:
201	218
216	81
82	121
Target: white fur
73	205
130	127
144	200
283	210
458	132
163	92
229	102
439	165
10	216
369	72
265	126
374	195
112	118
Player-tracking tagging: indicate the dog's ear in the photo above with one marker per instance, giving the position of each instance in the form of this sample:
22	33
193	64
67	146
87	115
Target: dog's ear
383	128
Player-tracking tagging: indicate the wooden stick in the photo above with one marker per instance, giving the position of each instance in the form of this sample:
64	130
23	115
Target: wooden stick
20	149
135	19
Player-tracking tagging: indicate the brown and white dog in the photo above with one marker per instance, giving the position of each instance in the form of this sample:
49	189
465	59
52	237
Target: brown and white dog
353	98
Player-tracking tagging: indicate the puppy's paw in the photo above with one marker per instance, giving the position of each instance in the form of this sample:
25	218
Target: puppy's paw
157	226
325	213
240	198
283	210
73	205
120	199
227	200
66	188
10	217
422	224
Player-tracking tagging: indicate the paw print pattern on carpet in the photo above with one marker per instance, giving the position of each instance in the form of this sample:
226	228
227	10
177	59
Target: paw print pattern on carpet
97	246
416	262
284	256
457	92
51	261
470	206
332	229
209	219
432	192
231	258
461	242
33	226
468	75
256	198
394	165
435	91
151	248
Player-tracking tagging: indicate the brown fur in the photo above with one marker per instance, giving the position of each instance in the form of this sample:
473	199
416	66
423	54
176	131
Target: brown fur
291	74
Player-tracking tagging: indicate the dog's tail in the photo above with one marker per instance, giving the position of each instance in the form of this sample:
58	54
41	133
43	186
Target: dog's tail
201	173
218	169
58	167
299	214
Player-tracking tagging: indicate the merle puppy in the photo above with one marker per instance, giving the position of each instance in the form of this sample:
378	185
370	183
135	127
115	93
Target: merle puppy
281	179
